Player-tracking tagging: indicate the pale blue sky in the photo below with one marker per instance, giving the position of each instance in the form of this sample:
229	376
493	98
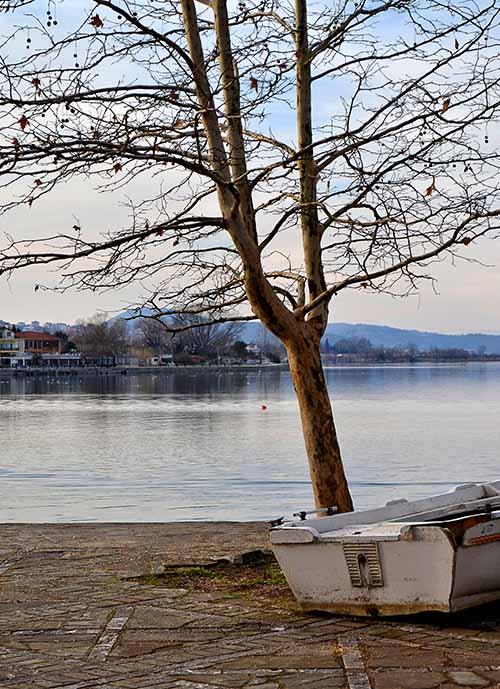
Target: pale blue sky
467	298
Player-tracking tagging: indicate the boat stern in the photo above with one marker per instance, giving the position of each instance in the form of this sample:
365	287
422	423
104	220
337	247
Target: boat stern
378	569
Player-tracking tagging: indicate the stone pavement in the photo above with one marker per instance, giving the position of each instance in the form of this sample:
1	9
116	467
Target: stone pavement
75	614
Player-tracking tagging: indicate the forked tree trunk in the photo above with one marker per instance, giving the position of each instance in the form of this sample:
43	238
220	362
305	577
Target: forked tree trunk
234	194
318	426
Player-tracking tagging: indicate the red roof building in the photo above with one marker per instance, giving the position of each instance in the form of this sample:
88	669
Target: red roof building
33	342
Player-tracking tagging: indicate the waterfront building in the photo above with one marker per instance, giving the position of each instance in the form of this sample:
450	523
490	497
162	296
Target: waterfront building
9	346
34	342
70	360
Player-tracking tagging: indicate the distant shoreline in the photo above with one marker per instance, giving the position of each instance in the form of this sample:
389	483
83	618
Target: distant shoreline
246	368
125	370
408	362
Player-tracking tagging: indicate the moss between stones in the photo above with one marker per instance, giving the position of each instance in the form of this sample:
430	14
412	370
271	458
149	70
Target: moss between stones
255	574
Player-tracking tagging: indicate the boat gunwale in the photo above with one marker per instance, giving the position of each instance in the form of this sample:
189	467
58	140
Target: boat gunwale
463	499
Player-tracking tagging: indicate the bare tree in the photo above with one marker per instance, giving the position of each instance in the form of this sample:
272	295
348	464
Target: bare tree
153	334
194	334
197	334
297	151
98	336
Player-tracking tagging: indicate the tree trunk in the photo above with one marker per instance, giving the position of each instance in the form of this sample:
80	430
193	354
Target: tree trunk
320	437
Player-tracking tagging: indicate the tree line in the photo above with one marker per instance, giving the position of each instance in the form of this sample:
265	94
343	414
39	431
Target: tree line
101	336
361	349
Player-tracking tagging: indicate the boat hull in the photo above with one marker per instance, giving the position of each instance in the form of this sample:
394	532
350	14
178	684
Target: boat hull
416	576
419	562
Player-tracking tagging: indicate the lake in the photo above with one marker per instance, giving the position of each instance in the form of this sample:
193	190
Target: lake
197	445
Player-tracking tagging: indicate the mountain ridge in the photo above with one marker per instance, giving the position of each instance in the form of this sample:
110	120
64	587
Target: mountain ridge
388	336
385	336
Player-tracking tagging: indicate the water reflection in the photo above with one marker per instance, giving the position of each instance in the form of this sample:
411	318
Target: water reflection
172	381
197	445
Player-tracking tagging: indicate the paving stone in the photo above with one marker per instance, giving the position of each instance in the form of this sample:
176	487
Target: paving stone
468	679
453	685
221	679
78	621
282	662
492	674
391	655
302	681
406	679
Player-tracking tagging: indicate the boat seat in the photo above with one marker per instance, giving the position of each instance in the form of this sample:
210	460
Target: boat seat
457	526
401	510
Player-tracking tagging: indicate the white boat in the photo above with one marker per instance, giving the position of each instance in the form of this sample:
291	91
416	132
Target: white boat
438	553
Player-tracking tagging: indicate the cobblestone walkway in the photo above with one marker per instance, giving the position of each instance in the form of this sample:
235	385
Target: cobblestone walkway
71	616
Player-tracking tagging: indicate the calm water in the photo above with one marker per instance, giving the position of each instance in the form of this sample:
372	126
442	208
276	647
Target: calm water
179	445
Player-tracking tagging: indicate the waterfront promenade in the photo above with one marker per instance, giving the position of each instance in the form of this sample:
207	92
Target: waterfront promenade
31	371
84	606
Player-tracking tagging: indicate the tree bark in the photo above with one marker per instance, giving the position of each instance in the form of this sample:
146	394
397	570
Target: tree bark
318	426
308	174
301	338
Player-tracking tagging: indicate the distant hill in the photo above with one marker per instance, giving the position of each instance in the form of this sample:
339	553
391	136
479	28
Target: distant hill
385	336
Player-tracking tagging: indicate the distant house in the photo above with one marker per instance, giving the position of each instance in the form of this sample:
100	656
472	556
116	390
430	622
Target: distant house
185	359
9	346
34	342
127	360
162	360
70	360
254	350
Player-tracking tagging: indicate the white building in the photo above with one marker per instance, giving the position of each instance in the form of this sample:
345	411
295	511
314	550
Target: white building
9	346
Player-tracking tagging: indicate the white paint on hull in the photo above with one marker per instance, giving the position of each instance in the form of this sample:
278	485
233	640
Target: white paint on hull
440	553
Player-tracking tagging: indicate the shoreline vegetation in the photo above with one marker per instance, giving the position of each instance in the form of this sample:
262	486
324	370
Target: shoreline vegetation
343	352
361	350
229	368
103	346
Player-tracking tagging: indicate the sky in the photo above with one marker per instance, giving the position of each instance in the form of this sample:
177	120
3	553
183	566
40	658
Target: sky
465	298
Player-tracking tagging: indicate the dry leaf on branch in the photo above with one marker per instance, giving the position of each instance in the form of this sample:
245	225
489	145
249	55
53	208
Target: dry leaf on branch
432	188
446	105
254	84
23	122
96	21
117	167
